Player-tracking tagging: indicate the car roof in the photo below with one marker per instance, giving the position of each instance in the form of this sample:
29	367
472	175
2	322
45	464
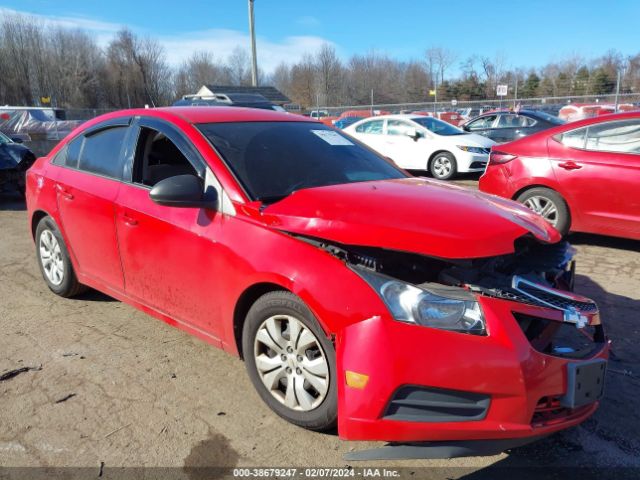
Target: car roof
209	114
578	124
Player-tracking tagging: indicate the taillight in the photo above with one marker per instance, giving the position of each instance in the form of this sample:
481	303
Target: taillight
497	158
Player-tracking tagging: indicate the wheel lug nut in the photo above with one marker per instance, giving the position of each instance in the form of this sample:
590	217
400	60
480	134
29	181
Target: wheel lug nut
289	370
289	349
298	371
299	358
283	357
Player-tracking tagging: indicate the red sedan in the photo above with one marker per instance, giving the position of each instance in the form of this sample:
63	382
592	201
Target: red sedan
402	309
582	176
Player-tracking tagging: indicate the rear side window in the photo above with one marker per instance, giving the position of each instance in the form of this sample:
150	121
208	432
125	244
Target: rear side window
68	156
573	138
372	127
101	152
622	136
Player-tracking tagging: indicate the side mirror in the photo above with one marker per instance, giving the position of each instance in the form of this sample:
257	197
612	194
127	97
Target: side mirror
16	140
183	191
413	133
466	128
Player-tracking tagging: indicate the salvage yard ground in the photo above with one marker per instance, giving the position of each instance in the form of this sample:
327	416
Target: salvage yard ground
109	385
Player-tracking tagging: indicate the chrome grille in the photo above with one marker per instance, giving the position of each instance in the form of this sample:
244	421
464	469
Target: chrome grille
575	308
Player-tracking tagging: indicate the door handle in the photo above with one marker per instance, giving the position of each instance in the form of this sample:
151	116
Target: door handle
569	165
129	221
64	192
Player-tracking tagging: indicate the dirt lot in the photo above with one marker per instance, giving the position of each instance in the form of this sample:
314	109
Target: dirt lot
114	386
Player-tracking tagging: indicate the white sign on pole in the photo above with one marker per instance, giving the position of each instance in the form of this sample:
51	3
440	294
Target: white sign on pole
502	90
454	102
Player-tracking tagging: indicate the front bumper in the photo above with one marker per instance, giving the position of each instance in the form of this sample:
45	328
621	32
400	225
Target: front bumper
523	386
471	162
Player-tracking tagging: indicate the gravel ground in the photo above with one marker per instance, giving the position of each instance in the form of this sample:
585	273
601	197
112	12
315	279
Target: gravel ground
109	385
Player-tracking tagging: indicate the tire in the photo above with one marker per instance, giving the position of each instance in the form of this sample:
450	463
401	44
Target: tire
58	274
550	205
443	166
285	367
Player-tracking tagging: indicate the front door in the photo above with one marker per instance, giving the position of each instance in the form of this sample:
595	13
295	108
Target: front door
407	152
170	256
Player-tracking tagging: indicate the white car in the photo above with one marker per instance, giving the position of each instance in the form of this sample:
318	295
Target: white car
418	142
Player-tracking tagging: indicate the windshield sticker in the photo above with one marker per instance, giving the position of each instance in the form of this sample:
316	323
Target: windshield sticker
331	137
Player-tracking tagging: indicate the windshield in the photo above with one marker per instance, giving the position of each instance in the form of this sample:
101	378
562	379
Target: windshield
4	138
273	159
438	126
549	118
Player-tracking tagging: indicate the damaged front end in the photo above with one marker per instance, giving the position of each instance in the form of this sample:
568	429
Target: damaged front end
536	274
510	355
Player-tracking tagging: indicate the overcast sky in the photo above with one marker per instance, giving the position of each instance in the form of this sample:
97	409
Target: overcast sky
526	33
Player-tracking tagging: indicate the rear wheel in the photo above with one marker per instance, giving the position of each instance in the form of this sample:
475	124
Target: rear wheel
443	166
290	361
54	261
550	205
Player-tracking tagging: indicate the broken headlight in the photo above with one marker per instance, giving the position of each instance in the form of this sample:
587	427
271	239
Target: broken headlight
445	308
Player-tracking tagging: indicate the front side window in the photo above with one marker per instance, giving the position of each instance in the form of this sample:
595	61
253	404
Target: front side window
437	126
101	152
373	127
157	158
481	123
398	127
622	136
273	159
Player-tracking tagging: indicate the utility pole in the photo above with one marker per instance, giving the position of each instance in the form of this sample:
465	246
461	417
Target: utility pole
617	90
254	57
372	102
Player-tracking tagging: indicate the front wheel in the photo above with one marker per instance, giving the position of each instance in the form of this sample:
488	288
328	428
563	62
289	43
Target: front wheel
290	361
550	205
443	166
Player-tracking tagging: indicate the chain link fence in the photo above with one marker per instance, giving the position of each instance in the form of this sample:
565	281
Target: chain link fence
42	146
544	103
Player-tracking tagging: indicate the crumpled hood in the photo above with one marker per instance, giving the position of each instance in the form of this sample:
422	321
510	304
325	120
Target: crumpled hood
423	216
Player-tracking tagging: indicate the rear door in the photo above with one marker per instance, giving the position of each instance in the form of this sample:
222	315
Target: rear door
511	126
599	168
87	184
170	255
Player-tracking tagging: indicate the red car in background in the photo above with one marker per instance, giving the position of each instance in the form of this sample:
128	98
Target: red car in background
402	309
582	177
579	111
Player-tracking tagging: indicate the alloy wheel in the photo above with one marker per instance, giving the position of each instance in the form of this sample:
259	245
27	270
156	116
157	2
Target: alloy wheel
442	166
544	207
291	363
51	257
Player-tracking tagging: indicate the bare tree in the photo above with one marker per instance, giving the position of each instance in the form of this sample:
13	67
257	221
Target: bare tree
239	66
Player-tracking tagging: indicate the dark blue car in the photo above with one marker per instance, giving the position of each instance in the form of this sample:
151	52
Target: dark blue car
15	159
346	121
